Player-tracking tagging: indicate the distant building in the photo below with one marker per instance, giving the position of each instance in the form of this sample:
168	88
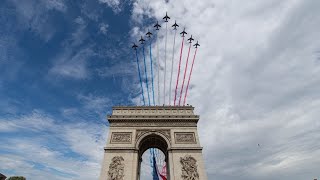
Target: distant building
2	177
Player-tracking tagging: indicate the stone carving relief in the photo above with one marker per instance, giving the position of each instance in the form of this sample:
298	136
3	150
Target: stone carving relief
116	168
181	137
166	133
122	137
189	168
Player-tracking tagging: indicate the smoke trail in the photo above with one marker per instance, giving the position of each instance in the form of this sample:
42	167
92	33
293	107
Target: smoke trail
152	75
175	93
174	42
185	95
155	171
140	77
165	67
184	75
158	71
150	159
145	71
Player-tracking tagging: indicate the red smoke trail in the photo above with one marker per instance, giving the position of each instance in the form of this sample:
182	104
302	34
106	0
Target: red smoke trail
185	95
175	93
184	76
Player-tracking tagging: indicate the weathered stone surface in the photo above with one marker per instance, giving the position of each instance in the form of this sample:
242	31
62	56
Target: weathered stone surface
173	129
185	137
116	169
121	137
189	168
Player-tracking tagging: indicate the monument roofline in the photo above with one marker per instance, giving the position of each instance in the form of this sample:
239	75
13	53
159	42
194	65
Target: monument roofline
152	107
159	114
155	111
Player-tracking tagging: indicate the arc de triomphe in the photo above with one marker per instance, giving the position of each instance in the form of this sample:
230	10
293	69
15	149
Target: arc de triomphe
172	129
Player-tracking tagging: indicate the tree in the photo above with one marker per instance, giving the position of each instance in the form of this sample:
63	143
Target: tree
16	178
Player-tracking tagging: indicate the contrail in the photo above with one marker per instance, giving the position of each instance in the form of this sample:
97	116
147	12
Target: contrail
185	95
175	93
174	42
165	67
140	78
184	75
145	71
152	75
158	62
158	71
165	59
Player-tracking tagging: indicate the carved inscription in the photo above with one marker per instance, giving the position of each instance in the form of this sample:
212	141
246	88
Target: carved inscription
121	137
116	168
189	168
182	137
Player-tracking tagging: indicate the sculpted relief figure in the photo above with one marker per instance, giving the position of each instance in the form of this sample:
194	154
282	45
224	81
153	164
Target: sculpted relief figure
185	137
121	137
116	168
189	168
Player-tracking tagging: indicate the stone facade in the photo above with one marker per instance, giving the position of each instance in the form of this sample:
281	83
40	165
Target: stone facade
173	128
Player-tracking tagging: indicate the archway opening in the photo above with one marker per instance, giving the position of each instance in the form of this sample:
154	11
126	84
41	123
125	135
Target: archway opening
153	164
153	157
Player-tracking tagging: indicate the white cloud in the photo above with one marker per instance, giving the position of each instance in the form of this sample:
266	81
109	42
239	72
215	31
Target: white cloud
34	122
79	20
114	4
33	15
72	65
55	4
48	151
95	104
255	81
73	61
103	28
117	70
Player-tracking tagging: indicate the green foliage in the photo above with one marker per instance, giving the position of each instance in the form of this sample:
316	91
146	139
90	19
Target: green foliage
16	178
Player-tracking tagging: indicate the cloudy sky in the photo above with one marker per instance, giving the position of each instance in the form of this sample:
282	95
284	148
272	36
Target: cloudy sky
256	80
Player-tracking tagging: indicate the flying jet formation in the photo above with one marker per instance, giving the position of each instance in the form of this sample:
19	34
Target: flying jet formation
190	39
166	18
157	26
196	44
142	40
175	25
143	47
134	46
183	32
149	34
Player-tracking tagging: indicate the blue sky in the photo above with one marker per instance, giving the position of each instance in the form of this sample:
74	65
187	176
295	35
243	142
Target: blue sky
64	64
55	86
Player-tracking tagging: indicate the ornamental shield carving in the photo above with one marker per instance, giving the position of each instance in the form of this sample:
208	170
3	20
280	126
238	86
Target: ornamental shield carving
189	168
116	168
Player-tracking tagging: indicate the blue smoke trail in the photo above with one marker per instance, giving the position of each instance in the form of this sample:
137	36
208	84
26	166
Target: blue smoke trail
145	70
140	77
150	159
155	169
154	103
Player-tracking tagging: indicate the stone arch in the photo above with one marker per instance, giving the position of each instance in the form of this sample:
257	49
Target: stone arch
152	139
172	129
154	134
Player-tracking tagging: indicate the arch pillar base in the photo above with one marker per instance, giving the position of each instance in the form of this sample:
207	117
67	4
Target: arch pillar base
130	159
